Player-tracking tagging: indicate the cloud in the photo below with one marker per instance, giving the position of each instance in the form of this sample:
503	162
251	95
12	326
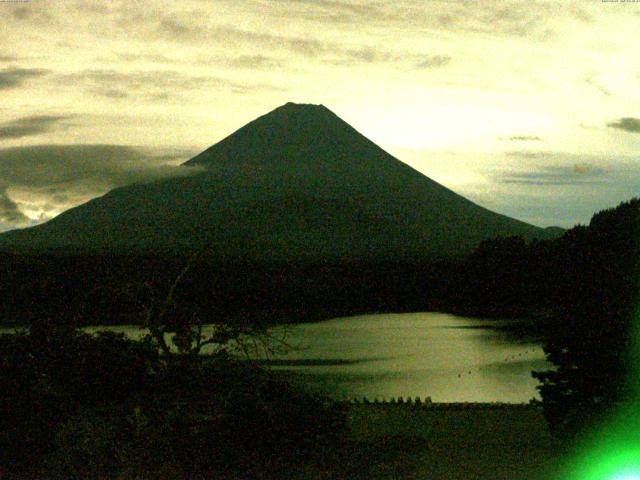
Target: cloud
39	182
628	124
113	165
30	126
580	13
174	28
304	46
247	61
40	16
549	168
10	214
530	155
579	173
193	31
523	138
542	168
328	50
14	77
147	57
193	26
555	187
112	93
22	13
434	61
366	9
254	62
154	85
361	55
583	168
366	55
504	17
494	17
335	11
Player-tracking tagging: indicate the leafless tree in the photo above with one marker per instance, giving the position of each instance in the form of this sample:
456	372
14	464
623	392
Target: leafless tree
178	329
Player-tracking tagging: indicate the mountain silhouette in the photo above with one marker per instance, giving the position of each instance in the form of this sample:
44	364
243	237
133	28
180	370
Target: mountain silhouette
296	184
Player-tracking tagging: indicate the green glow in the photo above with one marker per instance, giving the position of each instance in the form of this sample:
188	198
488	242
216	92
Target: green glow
628	476
623	465
612	452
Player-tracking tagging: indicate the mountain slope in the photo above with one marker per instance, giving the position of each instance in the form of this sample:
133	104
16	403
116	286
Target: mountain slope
295	184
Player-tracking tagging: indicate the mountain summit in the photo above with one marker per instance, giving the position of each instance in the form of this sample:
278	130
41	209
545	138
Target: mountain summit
295	184
292	132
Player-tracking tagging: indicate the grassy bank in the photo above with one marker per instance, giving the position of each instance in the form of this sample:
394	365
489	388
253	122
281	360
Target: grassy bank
453	441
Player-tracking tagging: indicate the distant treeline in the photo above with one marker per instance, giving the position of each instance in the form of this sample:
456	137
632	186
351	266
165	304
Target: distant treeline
589	271
118	289
502	277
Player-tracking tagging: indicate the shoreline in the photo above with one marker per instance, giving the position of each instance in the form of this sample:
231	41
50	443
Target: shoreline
459	441
429	405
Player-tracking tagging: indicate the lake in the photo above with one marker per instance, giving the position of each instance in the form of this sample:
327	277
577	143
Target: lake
446	357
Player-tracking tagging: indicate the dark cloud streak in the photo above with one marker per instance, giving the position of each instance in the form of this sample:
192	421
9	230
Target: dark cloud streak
183	31
30	126
556	175
54	165
306	47
10	214
22	13
154	85
495	17
338	12
254	62
523	138
57	177
434	62
14	77
628	124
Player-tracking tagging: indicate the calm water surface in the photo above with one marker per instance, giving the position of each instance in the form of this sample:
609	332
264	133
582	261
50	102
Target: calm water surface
446	357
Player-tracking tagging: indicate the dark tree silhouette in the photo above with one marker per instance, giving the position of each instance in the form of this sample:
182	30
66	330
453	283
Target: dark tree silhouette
592	344
104	406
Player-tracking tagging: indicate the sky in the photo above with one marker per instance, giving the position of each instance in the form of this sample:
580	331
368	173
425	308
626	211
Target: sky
529	108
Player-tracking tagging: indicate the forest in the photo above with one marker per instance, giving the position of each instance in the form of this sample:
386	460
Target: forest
87	406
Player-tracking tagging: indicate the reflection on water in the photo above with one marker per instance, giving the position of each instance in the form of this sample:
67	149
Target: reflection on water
446	357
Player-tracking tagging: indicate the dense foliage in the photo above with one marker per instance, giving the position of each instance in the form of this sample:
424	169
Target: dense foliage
82	406
115	289
47	376
593	343
580	288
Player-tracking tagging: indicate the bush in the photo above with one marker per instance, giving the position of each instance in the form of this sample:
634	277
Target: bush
46	378
101	407
593	346
93	443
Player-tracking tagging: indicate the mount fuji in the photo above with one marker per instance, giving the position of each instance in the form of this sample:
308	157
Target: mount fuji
297	184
